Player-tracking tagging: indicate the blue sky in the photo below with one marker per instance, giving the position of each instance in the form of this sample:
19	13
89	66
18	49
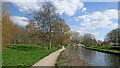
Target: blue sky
97	18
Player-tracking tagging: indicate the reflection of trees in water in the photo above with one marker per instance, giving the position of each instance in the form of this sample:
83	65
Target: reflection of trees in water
75	49
87	55
97	58
113	60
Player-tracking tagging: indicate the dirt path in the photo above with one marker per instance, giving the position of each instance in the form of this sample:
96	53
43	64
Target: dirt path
49	60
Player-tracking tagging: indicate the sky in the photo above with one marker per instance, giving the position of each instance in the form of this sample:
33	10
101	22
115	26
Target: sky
97	18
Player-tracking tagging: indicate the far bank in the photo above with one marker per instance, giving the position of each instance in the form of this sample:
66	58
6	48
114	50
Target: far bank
105	49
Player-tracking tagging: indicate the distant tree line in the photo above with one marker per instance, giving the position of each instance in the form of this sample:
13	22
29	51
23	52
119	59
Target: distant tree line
111	38
87	39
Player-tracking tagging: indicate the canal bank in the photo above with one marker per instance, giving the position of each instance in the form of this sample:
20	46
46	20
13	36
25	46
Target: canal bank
69	58
104	49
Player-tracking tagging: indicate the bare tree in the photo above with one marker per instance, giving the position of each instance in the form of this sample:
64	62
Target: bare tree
88	39
76	37
49	23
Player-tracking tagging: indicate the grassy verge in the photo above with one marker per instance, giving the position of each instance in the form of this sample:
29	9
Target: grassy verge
103	48
60	60
24	55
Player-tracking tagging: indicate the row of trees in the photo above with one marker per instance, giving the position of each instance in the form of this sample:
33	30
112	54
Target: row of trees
45	27
111	38
86	39
11	33
6	26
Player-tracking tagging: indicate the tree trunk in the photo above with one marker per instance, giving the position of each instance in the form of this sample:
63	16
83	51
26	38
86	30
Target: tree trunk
50	46
44	47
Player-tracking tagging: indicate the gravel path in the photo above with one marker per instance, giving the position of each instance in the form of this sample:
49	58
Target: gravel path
49	60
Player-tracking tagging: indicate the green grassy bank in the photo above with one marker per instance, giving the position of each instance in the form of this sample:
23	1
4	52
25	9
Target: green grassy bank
60	60
104	49
24	55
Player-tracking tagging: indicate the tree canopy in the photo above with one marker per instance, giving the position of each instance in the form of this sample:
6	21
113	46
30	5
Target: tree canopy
113	36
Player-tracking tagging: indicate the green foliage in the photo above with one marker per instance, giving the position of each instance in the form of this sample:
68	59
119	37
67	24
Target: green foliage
24	55
65	45
104	48
59	60
113	36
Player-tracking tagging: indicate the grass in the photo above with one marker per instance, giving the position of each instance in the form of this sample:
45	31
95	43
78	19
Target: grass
24	55
60	59
103	48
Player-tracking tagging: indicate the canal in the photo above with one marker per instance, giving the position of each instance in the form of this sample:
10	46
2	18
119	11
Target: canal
96	58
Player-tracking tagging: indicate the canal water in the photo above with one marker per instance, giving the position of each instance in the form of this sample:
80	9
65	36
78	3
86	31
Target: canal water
96	58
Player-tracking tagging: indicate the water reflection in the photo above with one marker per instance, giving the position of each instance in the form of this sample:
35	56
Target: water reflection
112	59
96	58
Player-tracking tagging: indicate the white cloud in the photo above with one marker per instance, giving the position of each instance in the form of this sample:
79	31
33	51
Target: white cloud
22	21
68	7
84	9
96	33
90	22
24	6
76	19
21	10
99	19
112	14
